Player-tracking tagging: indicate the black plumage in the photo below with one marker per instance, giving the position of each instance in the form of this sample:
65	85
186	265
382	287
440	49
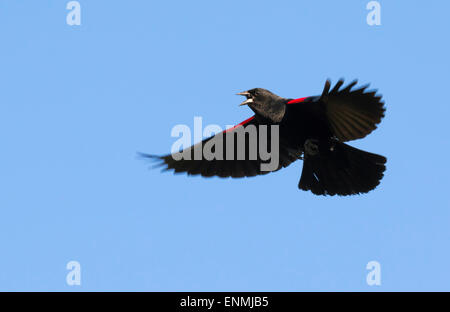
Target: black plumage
313	129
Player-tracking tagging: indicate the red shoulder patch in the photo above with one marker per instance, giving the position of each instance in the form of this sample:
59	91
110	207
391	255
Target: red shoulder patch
241	124
297	100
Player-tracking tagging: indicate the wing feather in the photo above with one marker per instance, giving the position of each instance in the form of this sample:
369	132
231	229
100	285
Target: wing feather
352	114
221	168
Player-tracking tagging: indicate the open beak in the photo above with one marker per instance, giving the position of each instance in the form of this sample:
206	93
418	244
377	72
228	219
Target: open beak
248	100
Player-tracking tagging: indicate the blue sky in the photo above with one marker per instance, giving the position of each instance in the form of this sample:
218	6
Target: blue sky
78	102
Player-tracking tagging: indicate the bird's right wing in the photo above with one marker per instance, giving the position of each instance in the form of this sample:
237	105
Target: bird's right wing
351	114
249	166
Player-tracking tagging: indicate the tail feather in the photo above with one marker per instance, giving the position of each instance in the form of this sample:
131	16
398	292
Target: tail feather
344	171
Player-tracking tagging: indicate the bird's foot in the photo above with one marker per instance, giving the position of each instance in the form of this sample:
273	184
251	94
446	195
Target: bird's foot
311	147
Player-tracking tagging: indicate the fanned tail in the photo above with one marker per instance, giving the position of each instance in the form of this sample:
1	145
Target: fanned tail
344	170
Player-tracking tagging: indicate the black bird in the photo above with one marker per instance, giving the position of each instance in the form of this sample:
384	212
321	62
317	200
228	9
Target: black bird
313	129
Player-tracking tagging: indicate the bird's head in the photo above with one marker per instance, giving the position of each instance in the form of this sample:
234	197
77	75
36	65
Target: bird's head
265	103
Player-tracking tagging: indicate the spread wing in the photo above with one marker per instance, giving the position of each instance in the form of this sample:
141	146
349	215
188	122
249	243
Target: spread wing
236	159
352	114
349	113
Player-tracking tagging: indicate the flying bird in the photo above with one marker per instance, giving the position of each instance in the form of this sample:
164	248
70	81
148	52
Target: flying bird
313	129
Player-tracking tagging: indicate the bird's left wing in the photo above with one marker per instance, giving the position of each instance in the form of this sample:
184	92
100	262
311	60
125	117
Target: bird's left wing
237	167
350	113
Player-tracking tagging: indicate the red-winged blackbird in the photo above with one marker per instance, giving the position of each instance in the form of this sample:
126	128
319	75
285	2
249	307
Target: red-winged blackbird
312	128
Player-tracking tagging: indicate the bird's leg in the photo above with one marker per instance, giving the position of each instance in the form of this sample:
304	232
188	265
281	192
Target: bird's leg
311	147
